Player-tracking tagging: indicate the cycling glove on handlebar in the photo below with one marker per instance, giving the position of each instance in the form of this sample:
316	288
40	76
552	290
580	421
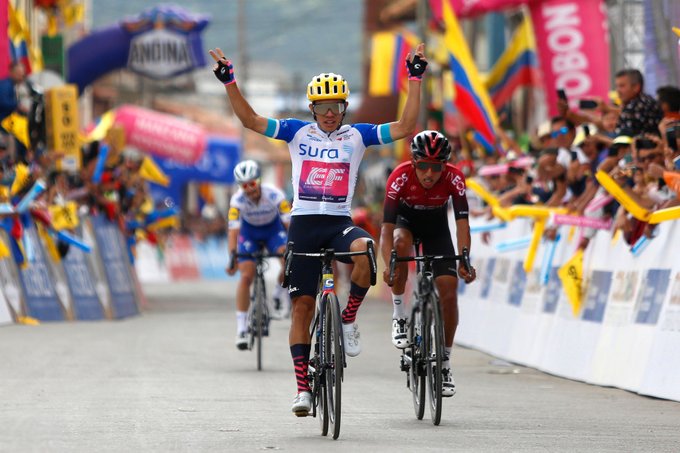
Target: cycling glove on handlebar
416	68
225	72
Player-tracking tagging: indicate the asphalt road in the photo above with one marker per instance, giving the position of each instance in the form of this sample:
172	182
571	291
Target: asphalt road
172	380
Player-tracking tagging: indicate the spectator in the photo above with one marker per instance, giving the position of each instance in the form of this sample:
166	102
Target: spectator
640	112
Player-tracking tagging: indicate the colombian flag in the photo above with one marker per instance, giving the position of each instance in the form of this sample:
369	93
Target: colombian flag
388	70
517	66
472	100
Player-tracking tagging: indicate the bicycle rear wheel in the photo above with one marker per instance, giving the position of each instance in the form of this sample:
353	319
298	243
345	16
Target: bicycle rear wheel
417	370
334	361
435	344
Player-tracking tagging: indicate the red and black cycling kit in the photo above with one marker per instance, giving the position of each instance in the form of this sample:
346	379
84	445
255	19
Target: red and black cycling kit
423	211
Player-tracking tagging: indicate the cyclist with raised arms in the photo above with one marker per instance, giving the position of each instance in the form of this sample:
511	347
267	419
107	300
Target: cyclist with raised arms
325	157
416	203
258	213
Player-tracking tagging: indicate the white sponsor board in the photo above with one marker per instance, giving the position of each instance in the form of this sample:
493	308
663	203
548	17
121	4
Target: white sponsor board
626	333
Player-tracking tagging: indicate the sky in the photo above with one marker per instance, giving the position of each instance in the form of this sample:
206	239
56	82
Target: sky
306	37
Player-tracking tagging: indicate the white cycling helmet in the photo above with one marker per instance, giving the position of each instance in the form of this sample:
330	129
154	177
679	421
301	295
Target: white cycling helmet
246	171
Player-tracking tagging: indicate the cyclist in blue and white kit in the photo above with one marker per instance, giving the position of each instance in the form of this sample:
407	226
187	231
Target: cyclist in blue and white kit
258	213
325	157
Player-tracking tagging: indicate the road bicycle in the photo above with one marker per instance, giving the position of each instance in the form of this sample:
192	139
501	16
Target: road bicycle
258	312
327	364
422	359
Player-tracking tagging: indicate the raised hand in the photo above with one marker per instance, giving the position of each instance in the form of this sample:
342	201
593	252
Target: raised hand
223	69
416	65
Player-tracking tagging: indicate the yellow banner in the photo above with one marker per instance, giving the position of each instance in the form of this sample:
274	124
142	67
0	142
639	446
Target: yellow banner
64	217
61	114
571	275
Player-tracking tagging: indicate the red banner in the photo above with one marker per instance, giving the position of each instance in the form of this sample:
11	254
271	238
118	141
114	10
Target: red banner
573	48
4	40
162	135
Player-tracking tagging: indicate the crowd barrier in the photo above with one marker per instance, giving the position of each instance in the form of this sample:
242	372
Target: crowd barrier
626	334
93	284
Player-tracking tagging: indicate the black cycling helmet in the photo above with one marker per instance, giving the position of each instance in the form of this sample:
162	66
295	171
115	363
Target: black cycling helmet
430	145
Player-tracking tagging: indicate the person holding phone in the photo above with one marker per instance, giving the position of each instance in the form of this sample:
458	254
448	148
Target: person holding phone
640	113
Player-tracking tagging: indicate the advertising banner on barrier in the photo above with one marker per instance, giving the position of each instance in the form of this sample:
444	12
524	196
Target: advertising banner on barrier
116	267
82	284
10	283
42	301
181	259
573	49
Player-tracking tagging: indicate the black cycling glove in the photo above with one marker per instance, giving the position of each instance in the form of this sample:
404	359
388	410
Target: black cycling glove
416	68
225	72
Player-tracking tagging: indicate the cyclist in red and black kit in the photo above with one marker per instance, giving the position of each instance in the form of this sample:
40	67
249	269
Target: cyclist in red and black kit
416	205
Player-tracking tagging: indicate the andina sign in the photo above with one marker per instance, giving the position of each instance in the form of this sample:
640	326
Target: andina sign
166	42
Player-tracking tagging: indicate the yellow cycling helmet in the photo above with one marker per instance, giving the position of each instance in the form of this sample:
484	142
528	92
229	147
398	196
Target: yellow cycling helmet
327	86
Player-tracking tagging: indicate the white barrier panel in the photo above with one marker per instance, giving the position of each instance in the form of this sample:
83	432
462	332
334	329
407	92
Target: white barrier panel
150	264
627	332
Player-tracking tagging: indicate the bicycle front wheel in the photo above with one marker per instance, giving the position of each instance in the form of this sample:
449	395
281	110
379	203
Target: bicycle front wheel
334	362
260	318
418	357
435	344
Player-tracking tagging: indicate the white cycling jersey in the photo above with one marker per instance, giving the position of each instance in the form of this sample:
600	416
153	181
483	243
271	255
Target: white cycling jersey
272	204
325	165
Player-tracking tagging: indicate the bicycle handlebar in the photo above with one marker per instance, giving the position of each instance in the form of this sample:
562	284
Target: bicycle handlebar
256	255
330	254
464	257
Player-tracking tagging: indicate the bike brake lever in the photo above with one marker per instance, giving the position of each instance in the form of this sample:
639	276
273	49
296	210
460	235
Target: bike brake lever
372	263
466	260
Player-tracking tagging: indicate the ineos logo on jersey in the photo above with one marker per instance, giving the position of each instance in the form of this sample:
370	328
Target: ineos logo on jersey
396	185
460	185
312	151
324	176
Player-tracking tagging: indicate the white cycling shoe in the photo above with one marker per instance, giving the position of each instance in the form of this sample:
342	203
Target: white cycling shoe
302	404
350	333
400	333
448	384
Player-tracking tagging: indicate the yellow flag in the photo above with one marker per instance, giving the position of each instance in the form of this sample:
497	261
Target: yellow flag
48	242
151	172
73	14
21	174
17	125
64	217
4	250
571	275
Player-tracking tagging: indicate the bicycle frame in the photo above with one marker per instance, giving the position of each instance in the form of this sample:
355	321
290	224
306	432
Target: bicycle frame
328	361
426	332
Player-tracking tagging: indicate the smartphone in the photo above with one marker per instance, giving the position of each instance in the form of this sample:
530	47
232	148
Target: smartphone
645	143
586	130
586	104
561	94
671	138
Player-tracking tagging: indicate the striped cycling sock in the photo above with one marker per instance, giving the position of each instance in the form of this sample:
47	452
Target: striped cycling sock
300	354
356	296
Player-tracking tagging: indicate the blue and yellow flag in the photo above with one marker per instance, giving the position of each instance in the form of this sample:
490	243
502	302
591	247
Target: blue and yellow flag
472	99
518	66
388	55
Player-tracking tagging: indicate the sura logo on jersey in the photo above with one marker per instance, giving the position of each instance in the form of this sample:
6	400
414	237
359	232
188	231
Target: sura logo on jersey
324	181
313	151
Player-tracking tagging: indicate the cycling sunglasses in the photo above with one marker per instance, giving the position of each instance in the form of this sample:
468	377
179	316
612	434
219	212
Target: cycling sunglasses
249	184
561	131
336	108
423	165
